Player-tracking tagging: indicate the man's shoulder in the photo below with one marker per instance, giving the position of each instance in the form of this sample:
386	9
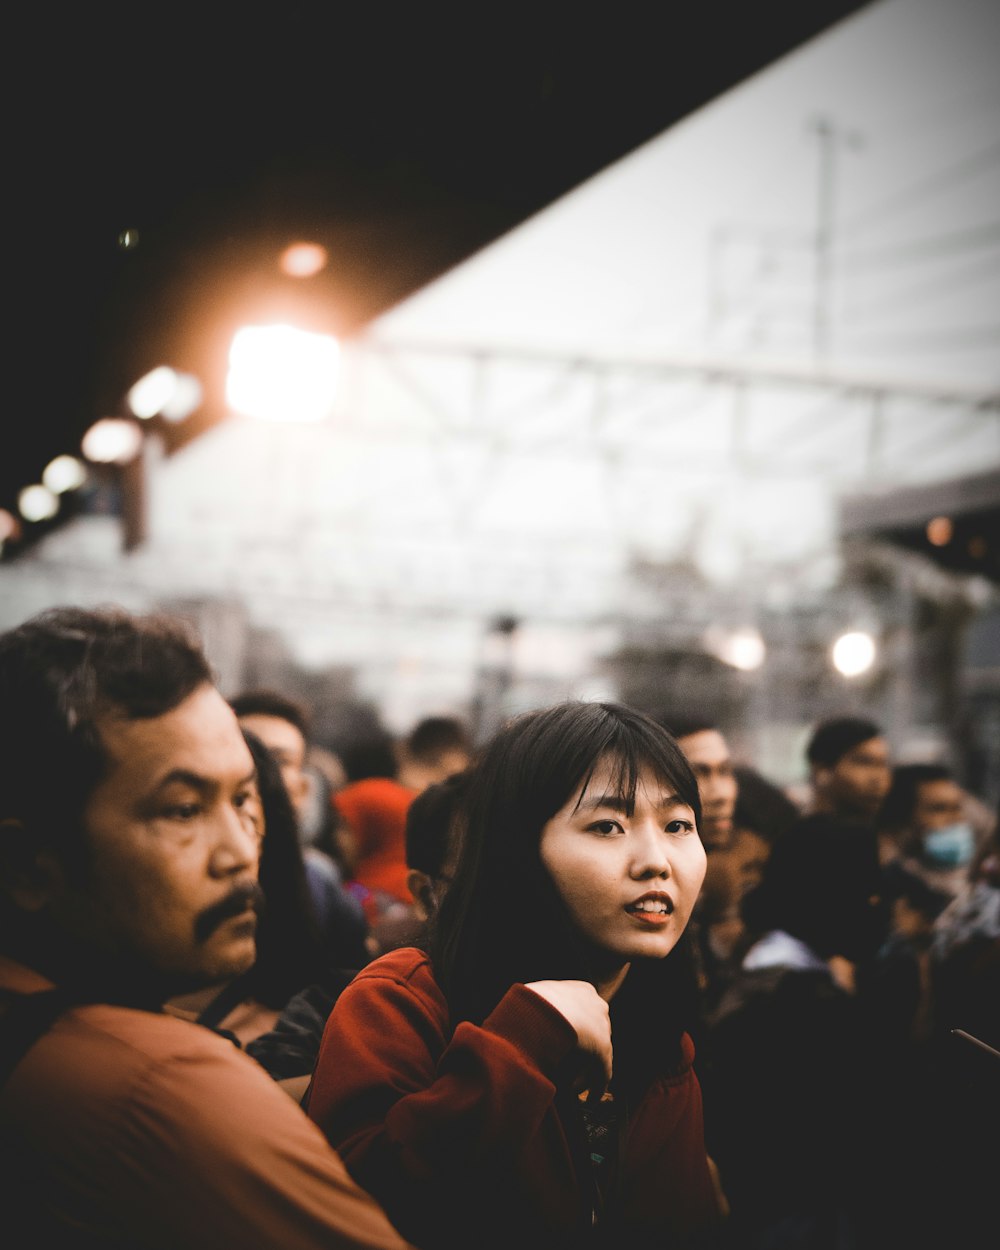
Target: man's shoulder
147	1084
97	1051
100	1056
125	1117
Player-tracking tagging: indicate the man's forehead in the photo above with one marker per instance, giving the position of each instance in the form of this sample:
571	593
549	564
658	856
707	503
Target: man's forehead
707	746
938	789
199	735
272	730
870	749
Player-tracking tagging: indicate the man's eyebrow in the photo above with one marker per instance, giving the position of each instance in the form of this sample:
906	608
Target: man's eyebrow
197	781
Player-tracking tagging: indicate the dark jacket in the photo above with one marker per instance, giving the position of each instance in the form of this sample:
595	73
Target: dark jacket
788	1096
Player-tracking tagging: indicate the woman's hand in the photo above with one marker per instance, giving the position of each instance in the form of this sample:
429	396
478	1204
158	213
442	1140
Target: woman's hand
581	1005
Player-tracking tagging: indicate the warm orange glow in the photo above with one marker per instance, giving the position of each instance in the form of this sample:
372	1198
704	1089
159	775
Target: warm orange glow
280	373
939	531
302	260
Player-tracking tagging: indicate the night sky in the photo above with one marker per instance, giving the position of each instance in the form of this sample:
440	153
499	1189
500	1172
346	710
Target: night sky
403	137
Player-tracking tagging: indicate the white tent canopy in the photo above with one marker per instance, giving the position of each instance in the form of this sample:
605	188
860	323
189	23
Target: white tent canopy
792	294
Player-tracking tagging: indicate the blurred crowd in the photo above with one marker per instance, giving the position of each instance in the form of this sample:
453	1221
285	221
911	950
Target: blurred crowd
845	943
848	946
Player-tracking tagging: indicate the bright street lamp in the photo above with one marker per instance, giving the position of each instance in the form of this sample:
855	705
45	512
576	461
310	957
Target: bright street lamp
280	373
853	653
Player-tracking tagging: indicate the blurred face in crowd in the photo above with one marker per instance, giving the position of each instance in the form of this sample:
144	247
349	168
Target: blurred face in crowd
938	805
288	747
708	755
856	785
173	835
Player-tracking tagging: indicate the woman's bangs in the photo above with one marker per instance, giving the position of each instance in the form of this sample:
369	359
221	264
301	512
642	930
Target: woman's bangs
627	755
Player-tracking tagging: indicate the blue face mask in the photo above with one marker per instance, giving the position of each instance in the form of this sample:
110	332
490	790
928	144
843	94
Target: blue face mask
950	847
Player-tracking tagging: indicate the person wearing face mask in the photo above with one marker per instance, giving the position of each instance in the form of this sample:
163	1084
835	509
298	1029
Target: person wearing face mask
955	1092
924	830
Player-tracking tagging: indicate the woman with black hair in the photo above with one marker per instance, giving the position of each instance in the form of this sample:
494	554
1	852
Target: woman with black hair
473	1087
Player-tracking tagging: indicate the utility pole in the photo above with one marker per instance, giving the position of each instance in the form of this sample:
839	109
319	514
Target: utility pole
829	137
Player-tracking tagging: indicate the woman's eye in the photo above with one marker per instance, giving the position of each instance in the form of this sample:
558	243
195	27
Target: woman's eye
681	826
606	828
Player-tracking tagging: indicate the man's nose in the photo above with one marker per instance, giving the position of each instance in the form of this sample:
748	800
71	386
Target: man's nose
237	845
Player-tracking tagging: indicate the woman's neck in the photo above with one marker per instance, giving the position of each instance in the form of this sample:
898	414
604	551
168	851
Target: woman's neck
609	983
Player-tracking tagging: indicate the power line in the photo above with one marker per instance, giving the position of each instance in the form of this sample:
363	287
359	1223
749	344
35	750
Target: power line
918	249
977	272
967	338
947	178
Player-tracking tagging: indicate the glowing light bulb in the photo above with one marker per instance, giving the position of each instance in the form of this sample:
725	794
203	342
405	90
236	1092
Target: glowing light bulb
63	474
280	373
112	440
37	503
853	653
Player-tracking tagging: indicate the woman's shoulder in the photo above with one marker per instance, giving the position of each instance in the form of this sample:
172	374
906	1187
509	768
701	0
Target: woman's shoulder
403	963
395	987
407	966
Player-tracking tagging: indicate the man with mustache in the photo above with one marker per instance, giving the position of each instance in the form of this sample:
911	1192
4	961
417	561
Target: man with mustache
129	843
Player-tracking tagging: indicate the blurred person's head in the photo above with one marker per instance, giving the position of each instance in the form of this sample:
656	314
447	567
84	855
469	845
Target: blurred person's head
282	724
707	751
849	767
372	753
129	813
924	812
290	952
915	905
761	805
435	748
431	840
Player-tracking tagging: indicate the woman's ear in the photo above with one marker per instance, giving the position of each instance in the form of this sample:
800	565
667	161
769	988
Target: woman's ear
30	874
422	888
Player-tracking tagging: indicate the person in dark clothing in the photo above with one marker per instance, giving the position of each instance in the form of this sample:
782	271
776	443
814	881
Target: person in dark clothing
964	1067
788	1086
